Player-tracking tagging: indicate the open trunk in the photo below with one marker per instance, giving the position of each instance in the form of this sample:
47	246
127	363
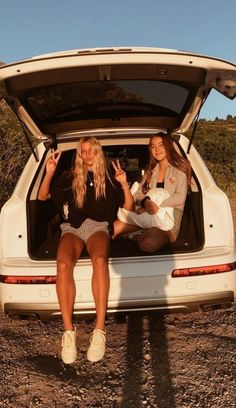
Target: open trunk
44	222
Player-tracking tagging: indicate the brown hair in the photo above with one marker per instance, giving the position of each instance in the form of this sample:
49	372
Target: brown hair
173	157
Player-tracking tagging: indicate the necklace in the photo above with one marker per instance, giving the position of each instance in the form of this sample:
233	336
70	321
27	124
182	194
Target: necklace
90	180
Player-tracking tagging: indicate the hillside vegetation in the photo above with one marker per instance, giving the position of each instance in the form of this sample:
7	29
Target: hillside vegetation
14	151
215	141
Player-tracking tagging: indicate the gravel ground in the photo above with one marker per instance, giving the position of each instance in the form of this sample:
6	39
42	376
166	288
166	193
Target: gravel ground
152	360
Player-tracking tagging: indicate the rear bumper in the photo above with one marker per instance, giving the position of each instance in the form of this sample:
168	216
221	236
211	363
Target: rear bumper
204	302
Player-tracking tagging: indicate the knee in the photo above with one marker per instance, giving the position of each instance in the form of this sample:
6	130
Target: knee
147	245
65	267
100	262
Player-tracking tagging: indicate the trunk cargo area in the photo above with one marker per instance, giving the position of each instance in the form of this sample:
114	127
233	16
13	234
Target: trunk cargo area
44	223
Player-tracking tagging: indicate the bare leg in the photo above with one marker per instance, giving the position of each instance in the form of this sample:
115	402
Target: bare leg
122	228
69	250
152	239
98	246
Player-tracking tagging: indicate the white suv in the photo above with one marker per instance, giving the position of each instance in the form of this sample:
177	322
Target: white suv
121	96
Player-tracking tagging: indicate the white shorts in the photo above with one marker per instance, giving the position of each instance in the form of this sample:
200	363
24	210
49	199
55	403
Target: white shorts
86	229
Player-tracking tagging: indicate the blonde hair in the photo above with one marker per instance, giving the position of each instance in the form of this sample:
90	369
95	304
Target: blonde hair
80	172
173	157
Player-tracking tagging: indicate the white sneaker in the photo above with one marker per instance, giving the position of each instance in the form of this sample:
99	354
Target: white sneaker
69	349
96	349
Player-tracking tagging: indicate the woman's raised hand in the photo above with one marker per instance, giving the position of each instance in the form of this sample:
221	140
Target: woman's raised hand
52	162
150	206
51	165
120	175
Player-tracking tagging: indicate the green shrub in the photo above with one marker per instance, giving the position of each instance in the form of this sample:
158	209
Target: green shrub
215	141
14	151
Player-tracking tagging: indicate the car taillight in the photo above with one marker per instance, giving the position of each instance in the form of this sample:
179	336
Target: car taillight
32	280
203	270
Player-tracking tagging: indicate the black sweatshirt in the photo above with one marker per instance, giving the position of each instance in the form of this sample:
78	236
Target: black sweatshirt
103	209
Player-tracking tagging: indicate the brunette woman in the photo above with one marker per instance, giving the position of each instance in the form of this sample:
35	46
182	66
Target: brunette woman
169	170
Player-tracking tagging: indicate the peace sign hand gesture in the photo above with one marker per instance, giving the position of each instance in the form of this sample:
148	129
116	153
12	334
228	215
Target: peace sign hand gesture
52	162
120	174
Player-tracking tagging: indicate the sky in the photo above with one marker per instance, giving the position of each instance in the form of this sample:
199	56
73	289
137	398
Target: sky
33	27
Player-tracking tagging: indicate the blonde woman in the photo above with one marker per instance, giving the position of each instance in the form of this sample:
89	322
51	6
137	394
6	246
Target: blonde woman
87	200
168	170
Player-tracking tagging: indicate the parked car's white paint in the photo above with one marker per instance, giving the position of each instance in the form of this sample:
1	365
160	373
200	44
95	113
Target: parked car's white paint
136	282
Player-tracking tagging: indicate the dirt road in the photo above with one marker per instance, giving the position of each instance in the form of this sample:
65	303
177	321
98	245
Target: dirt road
152	361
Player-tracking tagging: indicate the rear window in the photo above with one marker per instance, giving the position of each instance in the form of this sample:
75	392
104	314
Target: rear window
106	99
